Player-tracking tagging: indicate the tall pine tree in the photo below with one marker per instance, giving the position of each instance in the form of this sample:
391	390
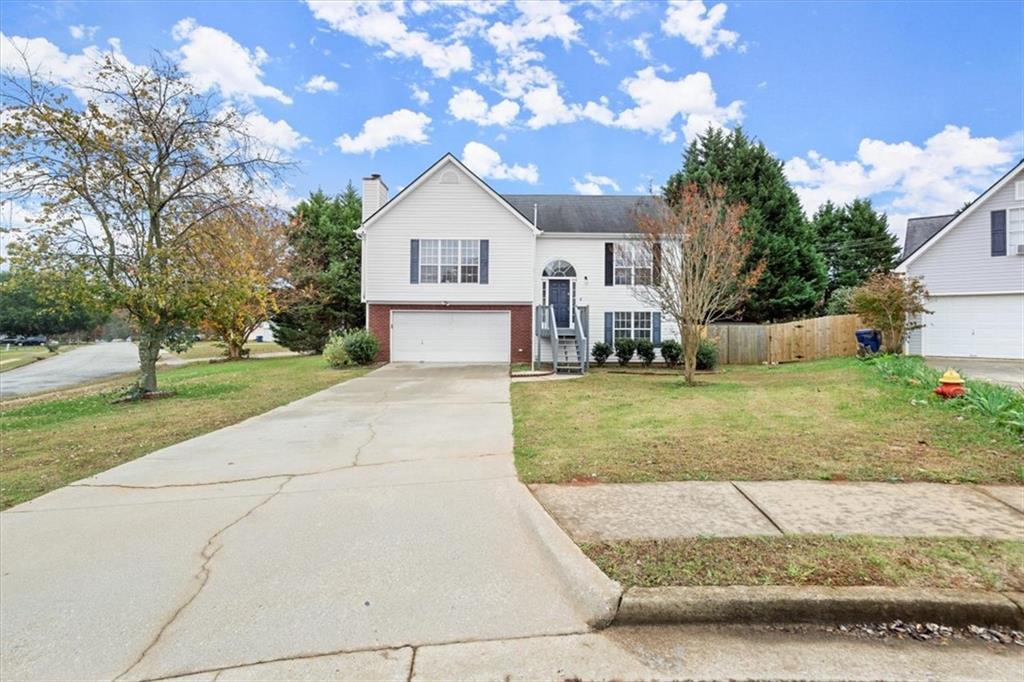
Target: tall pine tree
323	282
794	277
855	241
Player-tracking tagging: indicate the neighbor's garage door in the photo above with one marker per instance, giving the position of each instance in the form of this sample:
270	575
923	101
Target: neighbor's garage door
446	336
975	326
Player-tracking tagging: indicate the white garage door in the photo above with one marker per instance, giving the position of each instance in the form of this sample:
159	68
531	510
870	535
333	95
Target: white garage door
446	336
975	326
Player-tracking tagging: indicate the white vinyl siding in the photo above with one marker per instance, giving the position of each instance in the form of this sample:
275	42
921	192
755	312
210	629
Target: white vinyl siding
450	336
461	211
961	260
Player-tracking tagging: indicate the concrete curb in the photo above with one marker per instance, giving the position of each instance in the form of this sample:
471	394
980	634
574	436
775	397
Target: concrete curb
596	594
780	604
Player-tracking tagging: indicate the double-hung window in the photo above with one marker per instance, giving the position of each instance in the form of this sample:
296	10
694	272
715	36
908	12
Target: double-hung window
632	325
1014	230
449	261
633	263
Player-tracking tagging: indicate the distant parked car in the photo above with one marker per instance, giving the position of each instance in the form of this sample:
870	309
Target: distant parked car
31	340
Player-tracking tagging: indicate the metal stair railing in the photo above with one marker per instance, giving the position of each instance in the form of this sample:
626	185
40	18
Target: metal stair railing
582	356
553	337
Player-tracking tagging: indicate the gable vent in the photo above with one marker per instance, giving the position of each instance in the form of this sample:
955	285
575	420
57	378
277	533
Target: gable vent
449	178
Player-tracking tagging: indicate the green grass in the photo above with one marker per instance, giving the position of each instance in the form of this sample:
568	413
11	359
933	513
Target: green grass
954	563
19	356
52	441
834	419
214	349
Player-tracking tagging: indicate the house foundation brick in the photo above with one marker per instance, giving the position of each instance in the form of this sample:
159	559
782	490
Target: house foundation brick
378	321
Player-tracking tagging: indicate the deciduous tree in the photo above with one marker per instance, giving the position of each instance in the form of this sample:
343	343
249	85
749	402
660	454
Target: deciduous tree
892	304
702	261
122	182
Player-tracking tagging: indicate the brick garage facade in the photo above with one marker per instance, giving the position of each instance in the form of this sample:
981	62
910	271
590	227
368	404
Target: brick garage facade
378	320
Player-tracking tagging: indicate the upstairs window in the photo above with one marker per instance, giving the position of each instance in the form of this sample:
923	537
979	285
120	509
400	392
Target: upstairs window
449	261
633	263
1014	230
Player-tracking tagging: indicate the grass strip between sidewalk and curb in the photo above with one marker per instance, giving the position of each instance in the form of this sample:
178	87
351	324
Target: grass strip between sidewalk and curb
56	439
828	561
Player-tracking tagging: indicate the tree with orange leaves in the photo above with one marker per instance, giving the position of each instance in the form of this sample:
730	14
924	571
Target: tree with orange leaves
700	262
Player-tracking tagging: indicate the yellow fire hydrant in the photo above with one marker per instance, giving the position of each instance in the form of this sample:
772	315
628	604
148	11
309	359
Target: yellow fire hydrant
951	384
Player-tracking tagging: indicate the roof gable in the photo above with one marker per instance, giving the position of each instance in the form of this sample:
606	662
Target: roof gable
446	161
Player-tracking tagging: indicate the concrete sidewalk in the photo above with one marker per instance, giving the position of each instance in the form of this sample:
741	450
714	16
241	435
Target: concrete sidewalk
634	511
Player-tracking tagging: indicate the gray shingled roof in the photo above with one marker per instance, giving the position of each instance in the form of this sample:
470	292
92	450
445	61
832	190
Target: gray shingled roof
920	230
580	213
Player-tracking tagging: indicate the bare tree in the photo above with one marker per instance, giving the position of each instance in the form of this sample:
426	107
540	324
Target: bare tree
700	253
122	181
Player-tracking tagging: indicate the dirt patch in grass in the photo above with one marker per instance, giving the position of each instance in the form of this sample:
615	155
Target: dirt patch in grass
51	441
816	560
829	420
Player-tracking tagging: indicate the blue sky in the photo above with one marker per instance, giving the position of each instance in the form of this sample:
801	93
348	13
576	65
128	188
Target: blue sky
917	105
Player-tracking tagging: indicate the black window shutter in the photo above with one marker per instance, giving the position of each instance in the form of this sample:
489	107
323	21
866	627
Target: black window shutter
414	261
609	264
656	263
656	329
485	260
998	219
608	321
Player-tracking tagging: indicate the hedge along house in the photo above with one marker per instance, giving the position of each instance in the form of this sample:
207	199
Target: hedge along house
455	272
972	264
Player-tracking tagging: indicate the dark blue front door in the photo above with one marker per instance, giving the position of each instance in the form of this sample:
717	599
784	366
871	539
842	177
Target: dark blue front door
558	298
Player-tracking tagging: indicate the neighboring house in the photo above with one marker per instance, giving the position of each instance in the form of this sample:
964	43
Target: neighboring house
972	264
455	272
264	333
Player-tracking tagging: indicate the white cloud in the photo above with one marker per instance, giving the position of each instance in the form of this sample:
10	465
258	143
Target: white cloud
598	58
277	134
214	60
537	20
639	44
594	184
83	32
399	127
47	61
659	101
469	105
320	83
421	96
486	163
548	107
381	24
905	179
698	25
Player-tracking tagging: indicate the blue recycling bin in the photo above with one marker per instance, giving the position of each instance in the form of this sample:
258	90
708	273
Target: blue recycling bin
869	339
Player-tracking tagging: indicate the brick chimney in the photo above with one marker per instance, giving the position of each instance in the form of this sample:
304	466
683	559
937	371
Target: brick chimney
375	195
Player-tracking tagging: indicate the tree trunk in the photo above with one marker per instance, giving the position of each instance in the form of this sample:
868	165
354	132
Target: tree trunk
149	350
234	350
691	340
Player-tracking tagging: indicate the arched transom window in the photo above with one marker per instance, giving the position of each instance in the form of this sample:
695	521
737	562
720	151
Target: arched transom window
559	268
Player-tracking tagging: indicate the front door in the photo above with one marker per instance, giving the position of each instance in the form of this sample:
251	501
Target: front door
558	298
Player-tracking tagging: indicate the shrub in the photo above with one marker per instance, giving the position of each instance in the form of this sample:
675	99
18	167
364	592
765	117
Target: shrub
335	353
839	301
601	352
707	354
645	351
891	304
624	349
361	346
671	352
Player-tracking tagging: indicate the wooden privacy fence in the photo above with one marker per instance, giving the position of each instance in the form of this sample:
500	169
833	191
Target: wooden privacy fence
813	339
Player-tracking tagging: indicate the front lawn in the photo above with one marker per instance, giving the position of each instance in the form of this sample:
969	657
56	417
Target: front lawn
19	356
50	442
955	563
834	419
214	349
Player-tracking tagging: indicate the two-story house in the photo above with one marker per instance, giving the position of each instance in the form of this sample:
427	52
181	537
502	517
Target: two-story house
455	272
972	264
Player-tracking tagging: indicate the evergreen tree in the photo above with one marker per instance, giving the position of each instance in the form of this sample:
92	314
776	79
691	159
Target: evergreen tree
323	291
856	243
794	276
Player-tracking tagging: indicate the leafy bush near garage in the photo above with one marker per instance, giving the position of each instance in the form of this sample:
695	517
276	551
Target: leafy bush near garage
671	352
707	354
362	346
645	351
601	352
624	350
335	353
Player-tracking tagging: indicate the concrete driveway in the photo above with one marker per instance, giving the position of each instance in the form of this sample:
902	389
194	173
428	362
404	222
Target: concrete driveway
381	513
1008	372
88	363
